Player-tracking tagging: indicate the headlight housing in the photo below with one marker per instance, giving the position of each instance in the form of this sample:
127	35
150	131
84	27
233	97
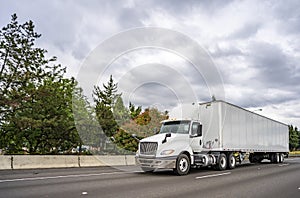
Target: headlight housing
167	152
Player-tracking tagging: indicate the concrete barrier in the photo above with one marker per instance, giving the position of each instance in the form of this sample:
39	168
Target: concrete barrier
63	161
44	161
105	160
5	162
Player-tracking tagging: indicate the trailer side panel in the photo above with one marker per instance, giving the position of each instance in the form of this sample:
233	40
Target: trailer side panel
242	130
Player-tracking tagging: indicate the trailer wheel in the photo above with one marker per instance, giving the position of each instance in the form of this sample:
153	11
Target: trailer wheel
272	158
222	162
231	161
281	157
277	158
183	165
251	158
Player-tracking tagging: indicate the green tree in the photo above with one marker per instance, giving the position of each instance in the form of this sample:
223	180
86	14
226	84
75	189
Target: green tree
87	125
105	100
146	124
35	98
125	141
134	112
121	113
108	95
293	138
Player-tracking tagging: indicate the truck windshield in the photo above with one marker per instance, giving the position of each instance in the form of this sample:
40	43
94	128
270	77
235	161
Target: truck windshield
175	127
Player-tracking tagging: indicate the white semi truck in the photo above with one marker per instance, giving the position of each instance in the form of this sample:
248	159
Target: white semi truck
216	134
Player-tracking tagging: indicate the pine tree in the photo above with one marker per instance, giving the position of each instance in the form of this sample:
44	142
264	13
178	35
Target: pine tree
105	100
293	138
35	98
121	113
134	112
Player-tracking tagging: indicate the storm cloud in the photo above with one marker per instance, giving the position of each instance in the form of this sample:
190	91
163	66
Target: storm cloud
253	45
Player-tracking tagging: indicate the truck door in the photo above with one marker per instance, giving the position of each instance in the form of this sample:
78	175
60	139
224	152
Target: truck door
196	137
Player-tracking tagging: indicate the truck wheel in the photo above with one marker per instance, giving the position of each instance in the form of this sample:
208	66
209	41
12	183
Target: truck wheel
251	158
183	165
222	162
147	170
277	158
231	161
272	158
281	157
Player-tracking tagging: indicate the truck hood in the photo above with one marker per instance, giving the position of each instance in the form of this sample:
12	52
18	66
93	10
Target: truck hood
177	142
160	137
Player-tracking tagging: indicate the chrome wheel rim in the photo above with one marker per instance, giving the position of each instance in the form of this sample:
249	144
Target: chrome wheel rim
232	161
183	164
223	162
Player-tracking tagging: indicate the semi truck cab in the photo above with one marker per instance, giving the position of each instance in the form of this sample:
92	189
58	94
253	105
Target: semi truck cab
176	142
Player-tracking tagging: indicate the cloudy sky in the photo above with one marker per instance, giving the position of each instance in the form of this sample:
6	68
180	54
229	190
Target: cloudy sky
250	50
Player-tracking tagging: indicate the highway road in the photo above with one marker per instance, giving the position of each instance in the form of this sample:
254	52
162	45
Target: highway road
247	180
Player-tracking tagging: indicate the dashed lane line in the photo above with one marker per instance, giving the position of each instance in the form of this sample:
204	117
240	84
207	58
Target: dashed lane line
62	176
283	165
214	175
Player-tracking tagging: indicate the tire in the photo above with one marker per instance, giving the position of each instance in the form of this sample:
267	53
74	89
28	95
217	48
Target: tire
272	158
251	158
183	165
277	158
222	162
231	161
147	170
281	158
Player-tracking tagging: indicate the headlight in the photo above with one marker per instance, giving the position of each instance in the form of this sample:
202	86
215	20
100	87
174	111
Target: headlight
167	152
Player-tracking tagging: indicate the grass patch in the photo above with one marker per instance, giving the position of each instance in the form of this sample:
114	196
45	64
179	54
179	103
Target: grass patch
295	152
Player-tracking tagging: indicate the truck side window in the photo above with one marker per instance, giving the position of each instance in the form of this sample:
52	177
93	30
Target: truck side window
195	128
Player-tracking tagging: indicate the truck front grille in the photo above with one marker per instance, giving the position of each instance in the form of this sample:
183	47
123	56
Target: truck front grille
148	148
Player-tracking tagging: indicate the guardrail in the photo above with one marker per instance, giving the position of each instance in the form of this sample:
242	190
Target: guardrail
63	161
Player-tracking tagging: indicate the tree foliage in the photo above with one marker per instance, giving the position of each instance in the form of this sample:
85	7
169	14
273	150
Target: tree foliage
120	112
86	123
145	124
105	100
35	98
294	138
125	141
134	111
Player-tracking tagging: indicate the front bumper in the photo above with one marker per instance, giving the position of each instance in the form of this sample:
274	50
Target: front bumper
156	163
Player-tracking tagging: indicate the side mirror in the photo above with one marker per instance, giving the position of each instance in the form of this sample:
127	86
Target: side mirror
165	140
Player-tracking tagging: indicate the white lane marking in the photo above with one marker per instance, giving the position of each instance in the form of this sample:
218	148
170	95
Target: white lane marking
60	176
283	164
292	159
214	175
84	193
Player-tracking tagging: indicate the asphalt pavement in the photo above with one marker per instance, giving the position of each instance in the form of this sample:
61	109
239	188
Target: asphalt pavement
247	180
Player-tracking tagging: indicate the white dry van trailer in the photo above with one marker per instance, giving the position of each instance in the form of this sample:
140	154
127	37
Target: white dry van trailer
216	134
